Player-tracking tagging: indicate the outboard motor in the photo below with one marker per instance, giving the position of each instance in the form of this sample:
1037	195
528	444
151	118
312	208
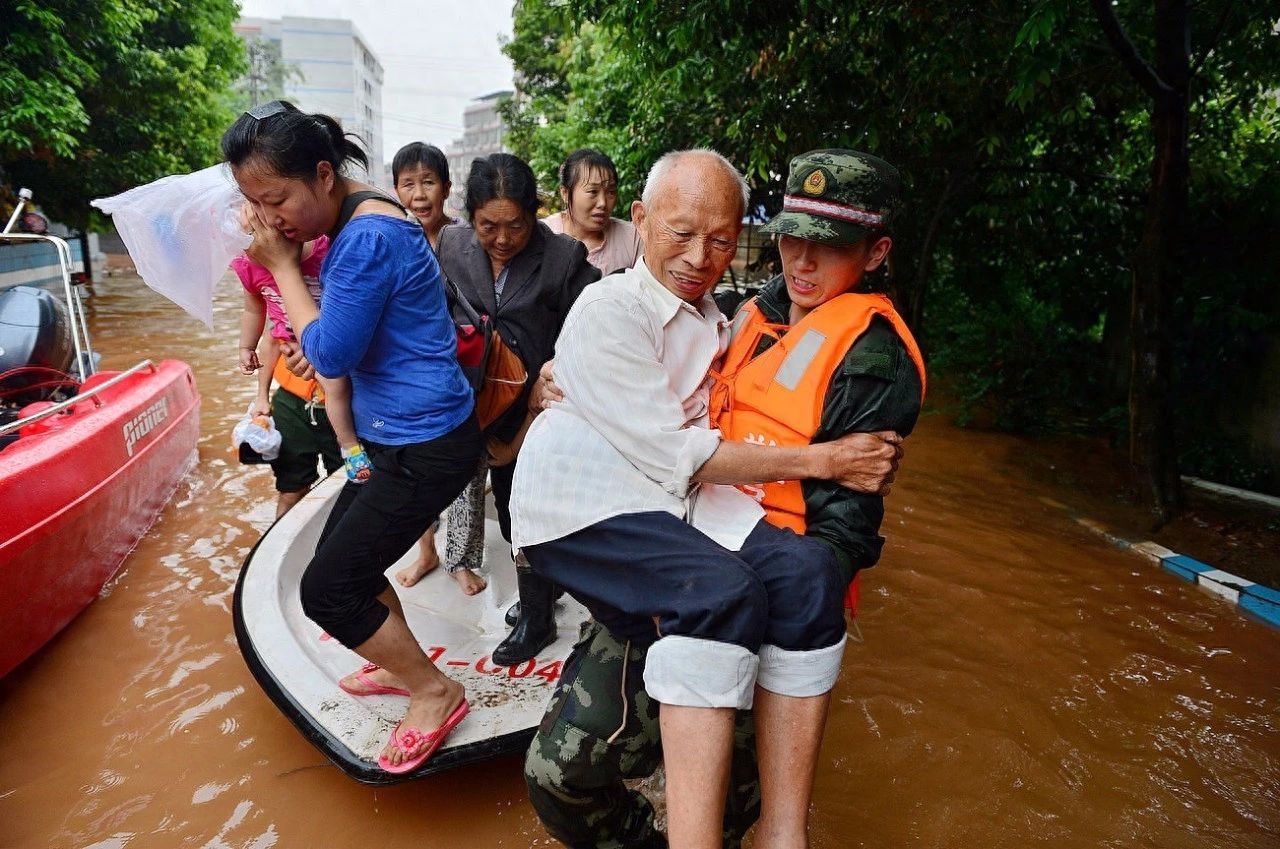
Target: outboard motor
35	344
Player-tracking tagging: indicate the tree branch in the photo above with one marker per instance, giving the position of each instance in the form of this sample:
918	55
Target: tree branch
1213	42
1127	52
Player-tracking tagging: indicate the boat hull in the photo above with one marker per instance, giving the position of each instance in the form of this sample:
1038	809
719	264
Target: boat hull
298	667
79	489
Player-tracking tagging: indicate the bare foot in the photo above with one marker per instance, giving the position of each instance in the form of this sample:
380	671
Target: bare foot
428	560
426	714
469	581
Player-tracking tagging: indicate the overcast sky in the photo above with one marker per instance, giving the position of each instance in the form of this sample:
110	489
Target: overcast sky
437	56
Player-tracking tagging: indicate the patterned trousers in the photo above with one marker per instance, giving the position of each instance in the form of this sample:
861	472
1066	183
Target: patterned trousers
601	729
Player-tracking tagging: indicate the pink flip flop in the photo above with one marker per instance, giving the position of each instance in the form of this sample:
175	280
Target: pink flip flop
371	687
408	739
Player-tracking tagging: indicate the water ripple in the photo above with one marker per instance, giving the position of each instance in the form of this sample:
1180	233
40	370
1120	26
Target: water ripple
193	714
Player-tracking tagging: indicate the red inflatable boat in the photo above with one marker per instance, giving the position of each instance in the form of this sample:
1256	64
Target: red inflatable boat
84	469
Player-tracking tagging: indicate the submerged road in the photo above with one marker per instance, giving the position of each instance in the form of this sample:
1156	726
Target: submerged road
1020	682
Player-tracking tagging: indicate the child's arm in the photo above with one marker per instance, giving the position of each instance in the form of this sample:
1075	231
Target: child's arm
268	351
252	320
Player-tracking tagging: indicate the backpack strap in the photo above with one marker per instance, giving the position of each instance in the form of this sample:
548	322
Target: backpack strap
351	201
456	299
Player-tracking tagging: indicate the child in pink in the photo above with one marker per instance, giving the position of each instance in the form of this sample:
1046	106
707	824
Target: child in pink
262	301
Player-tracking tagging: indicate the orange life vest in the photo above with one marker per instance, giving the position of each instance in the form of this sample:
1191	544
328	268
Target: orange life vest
777	398
307	390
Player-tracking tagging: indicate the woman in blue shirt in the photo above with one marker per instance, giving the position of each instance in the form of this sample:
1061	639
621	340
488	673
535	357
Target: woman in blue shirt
384	323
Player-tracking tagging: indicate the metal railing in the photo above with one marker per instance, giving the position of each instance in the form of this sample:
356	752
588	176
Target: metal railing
75	308
83	396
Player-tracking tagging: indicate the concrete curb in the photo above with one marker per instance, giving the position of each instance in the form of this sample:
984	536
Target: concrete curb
1253	599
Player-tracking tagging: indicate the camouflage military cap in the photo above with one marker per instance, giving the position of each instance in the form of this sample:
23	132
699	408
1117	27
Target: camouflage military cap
837	197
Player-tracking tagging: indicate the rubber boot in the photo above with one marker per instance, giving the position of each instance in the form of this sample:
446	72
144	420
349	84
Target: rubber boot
512	616
536	627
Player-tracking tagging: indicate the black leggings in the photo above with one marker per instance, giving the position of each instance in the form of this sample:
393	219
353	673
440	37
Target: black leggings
500	479
376	522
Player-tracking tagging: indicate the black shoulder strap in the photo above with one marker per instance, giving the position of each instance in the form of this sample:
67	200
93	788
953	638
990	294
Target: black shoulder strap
455	297
461	309
351	201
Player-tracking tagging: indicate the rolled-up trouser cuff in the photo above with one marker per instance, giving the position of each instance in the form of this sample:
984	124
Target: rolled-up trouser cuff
799	673
693	672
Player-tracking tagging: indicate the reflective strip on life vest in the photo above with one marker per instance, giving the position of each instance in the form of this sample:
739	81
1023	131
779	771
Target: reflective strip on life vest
739	322
798	359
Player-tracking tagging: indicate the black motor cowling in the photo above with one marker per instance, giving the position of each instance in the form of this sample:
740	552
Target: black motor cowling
35	342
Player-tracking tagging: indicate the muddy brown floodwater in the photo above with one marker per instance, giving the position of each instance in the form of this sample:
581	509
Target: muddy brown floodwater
1020	683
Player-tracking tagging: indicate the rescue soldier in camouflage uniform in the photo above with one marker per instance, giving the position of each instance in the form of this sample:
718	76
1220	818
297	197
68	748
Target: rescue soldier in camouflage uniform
601	727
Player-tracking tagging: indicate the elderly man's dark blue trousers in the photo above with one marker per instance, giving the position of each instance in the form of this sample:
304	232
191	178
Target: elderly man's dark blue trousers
780	588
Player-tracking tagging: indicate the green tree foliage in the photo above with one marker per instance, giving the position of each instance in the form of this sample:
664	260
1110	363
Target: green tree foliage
102	95
1026	146
563	91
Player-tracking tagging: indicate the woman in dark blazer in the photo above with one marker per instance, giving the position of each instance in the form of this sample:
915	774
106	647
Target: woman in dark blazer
511	267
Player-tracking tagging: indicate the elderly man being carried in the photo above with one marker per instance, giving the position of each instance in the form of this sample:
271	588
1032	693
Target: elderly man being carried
625	498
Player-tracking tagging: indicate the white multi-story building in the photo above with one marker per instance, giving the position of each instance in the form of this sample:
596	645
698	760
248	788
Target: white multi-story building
483	133
327	67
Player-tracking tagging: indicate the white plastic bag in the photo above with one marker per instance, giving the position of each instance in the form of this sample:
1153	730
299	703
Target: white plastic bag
259	434
182	232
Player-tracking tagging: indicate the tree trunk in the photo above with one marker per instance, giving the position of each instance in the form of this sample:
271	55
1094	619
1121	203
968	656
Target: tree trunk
1153	440
1152	432
924	271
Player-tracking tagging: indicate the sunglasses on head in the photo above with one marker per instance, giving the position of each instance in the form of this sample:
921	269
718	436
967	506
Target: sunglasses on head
266	110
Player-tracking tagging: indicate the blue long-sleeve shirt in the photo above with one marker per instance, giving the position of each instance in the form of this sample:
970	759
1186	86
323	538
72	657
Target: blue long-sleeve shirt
385	323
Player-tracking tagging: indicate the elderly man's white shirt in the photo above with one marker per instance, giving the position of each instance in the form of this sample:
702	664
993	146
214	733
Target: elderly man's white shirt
633	361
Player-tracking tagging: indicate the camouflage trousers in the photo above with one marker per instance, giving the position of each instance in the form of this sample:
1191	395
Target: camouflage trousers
601	729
